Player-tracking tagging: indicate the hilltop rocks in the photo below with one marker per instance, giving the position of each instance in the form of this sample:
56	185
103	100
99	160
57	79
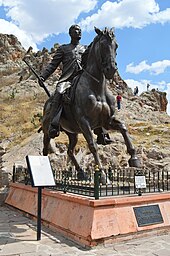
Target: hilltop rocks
11	54
10	49
156	99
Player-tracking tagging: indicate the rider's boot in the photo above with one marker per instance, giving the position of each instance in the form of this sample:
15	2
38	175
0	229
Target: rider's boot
107	138
104	139
55	113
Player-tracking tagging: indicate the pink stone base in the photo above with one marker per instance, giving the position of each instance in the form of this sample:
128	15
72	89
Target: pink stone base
86	220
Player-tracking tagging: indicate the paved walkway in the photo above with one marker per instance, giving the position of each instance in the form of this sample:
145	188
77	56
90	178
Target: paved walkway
18	238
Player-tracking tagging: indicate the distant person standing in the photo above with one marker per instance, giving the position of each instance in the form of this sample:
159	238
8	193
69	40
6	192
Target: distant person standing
119	99
136	90
148	85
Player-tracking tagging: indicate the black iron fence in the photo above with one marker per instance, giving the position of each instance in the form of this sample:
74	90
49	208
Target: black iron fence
120	181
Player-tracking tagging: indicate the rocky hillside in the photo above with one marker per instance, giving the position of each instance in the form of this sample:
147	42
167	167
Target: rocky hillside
22	102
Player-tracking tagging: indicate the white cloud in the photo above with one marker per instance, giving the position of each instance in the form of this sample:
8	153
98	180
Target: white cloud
127	13
38	19
155	68
162	17
142	85
23	37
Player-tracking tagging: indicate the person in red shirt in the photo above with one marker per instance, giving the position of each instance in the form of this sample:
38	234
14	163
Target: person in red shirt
118	99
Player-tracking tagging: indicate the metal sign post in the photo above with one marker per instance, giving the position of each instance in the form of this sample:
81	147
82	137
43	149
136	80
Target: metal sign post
39	213
41	175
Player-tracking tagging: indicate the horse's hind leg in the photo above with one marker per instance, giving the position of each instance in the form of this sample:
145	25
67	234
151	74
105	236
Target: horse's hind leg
73	138
117	125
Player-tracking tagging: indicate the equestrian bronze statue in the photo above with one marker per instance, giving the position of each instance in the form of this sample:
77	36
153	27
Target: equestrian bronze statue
70	57
91	104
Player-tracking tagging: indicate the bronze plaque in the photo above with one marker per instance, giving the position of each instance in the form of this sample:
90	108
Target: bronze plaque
148	215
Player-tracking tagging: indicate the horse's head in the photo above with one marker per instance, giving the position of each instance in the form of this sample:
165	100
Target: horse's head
107	51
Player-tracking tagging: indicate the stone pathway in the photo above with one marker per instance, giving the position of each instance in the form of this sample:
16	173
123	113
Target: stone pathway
18	237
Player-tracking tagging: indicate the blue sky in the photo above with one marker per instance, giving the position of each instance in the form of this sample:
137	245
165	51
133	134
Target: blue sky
142	29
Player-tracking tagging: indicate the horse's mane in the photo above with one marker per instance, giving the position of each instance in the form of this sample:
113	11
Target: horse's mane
106	31
85	56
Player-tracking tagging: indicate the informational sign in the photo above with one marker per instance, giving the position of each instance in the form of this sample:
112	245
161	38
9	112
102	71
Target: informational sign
40	171
140	182
41	176
148	215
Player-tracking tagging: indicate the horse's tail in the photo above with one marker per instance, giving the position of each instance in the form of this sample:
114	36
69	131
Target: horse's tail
46	116
46	111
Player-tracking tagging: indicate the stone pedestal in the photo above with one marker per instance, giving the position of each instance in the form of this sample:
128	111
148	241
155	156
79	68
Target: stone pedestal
89	221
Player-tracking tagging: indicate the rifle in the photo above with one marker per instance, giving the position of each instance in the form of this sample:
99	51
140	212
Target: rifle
41	83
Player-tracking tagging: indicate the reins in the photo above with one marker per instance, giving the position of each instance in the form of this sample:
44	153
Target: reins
94	78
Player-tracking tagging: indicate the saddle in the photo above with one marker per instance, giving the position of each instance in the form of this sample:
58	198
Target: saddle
66	98
69	94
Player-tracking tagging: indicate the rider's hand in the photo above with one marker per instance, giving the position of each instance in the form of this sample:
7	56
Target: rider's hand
41	81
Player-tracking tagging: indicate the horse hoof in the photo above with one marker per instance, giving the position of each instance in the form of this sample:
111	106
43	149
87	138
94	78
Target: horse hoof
134	162
53	133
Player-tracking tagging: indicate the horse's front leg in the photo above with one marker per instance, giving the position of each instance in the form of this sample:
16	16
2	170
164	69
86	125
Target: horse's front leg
46	144
119	126
73	138
88	135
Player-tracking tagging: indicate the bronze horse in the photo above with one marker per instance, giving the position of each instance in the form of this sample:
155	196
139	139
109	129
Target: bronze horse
93	104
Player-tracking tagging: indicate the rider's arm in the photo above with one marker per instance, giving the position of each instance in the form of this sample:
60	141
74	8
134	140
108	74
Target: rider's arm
52	66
